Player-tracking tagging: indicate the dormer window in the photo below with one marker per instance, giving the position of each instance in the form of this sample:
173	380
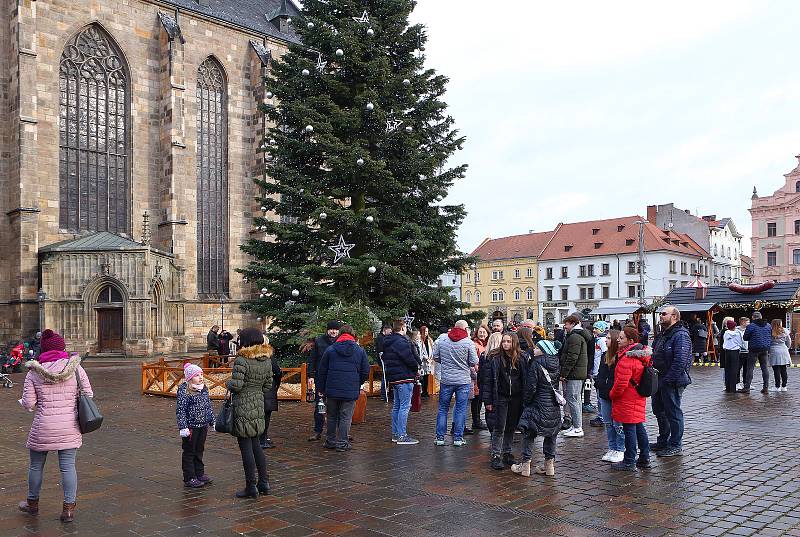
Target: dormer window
628	242
620	228
567	247
595	231
597	245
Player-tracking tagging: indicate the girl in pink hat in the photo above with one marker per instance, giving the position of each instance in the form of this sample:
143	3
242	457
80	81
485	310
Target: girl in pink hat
195	415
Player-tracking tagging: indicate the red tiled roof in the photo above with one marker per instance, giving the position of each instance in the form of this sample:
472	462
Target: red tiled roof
528	245
615	236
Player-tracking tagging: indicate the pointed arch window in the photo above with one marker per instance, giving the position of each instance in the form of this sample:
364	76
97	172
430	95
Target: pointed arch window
94	102
212	181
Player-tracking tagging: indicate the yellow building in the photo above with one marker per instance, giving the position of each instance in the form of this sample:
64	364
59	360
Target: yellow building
504	281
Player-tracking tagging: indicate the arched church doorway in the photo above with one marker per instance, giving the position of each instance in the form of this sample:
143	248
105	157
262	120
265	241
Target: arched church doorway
110	320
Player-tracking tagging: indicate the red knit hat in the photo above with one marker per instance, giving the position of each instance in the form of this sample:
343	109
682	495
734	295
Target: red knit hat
52	341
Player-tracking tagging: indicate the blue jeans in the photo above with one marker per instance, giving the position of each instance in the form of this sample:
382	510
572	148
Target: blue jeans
614	434
635	433
446	392
400	406
667	409
69	477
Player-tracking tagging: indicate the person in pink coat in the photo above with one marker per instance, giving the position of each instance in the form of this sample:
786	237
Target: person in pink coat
51	391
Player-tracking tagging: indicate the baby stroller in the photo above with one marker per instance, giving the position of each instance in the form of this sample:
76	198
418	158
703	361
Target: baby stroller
11	362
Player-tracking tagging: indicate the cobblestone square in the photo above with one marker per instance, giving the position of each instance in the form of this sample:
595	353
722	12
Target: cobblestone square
738	476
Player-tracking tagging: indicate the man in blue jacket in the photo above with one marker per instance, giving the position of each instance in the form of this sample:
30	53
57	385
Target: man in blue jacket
758	335
343	369
321	344
401	367
672	357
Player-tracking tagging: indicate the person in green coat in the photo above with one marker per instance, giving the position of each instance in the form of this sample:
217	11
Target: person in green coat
250	381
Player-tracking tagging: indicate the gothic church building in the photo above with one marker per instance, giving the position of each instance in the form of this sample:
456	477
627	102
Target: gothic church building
128	149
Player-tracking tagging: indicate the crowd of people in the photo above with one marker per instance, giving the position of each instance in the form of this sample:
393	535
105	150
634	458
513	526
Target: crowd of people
519	380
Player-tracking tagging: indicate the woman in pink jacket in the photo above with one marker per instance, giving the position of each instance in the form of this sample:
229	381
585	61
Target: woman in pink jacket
51	390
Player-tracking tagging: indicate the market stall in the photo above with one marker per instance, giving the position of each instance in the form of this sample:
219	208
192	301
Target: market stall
630	310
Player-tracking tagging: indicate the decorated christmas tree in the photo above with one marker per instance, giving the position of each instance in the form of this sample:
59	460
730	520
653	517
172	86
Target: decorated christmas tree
357	170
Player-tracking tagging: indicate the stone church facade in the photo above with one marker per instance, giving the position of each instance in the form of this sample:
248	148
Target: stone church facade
127	158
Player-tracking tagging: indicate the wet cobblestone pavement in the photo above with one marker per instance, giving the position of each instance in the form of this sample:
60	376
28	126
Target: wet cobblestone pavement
740	475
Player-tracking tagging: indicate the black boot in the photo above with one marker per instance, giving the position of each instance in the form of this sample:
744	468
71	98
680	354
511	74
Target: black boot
508	459
249	491
263	486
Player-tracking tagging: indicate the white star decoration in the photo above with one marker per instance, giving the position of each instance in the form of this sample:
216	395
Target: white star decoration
320	64
409	320
363	19
392	125
341	250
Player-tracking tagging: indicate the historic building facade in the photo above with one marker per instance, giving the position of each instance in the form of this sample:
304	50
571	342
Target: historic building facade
776	231
504	281
129	149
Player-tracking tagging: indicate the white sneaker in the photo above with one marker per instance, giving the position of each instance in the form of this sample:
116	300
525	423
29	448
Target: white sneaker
617	456
740	386
784	389
607	456
572	432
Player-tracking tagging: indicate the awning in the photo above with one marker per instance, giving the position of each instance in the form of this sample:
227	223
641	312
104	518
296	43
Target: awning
618	310
693	307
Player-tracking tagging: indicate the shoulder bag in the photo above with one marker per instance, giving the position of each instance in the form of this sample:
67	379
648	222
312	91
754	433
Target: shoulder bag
89	417
224	421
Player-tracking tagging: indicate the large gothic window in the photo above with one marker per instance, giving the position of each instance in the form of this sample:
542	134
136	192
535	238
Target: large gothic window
212	181
93	135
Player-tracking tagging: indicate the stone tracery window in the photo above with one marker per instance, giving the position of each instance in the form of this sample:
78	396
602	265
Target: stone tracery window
212	181
93	135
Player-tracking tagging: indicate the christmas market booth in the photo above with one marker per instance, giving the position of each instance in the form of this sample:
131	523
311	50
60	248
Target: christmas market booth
629	311
773	300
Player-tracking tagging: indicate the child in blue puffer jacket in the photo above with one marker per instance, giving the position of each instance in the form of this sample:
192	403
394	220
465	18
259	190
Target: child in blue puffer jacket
195	415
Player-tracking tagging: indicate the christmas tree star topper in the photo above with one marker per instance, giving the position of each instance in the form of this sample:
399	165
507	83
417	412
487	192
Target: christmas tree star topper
341	250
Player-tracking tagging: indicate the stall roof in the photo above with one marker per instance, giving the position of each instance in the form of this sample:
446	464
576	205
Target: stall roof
782	292
618	310
690	307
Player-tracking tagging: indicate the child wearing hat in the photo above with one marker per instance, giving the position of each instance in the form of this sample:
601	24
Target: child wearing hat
195	415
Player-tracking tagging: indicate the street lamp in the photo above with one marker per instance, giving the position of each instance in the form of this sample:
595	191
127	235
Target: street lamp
41	296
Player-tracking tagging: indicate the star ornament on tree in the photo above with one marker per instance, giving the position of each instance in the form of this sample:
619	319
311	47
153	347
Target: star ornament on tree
321	64
392	125
409	320
341	250
363	19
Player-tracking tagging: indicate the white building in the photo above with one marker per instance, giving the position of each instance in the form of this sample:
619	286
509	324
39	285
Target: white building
594	264
453	280
726	250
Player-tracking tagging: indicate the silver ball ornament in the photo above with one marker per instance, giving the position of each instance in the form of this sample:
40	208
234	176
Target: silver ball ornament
370	219
269	95
372	270
406	82
339	52
413	247
323	216
261	295
244	279
309	128
360	162
264	291
259	319
409	129
263	209
370	107
272	141
370	32
442	302
310	25
306	72
295	293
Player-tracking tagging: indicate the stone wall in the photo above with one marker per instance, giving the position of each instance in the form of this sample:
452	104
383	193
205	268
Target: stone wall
162	126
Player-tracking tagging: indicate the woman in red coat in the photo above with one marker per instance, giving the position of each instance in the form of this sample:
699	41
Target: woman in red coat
628	407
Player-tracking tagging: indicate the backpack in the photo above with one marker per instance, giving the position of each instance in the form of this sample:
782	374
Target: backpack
648	384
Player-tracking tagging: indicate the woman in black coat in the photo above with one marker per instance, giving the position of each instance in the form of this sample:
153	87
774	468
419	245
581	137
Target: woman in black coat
271	404
541	415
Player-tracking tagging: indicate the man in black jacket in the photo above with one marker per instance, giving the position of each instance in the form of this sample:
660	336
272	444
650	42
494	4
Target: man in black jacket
212	339
401	365
321	344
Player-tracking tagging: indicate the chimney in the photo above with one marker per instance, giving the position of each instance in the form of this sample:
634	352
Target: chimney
652	213
700	293
710	217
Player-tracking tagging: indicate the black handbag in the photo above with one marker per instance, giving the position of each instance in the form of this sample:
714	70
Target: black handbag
89	416
224	421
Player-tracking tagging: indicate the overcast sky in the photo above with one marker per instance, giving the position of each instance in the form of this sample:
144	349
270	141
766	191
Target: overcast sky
585	110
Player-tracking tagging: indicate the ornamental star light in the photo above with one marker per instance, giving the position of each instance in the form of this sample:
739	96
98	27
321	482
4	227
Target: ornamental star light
341	250
321	64
392	124
408	319
363	19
